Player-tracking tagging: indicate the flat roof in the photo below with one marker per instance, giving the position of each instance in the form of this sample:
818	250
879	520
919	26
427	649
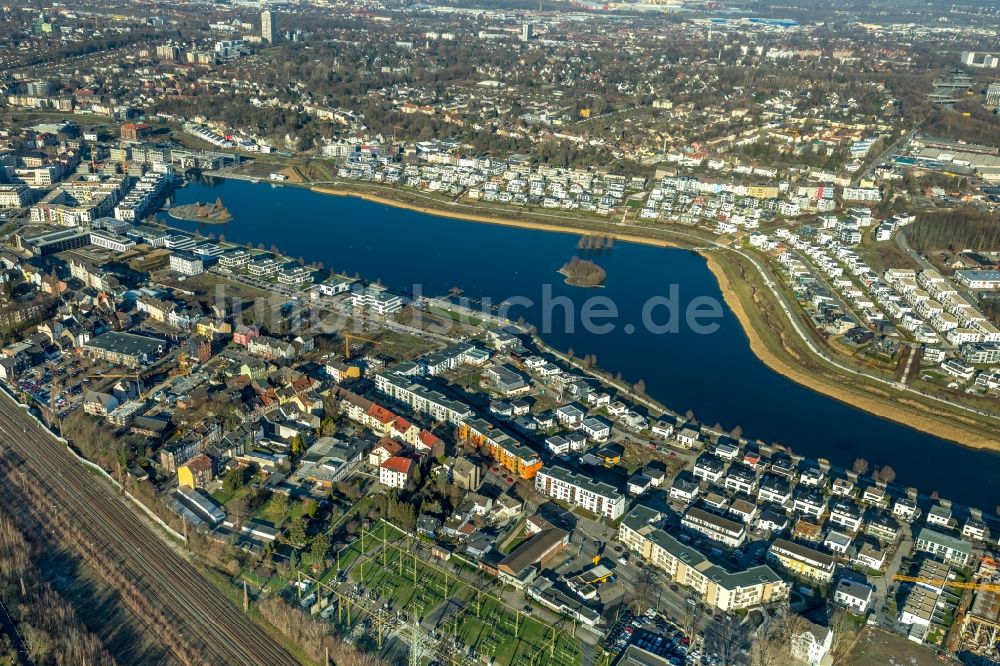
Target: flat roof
126	343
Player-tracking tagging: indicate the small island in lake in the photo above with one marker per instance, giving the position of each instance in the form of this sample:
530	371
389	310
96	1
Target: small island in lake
583	273
198	212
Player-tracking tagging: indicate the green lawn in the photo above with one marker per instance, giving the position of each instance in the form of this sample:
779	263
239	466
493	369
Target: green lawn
460	317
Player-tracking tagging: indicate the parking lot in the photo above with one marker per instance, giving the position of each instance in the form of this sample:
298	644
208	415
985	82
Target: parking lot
653	633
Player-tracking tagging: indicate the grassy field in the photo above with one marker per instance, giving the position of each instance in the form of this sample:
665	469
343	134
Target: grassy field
422	590
460	317
403	346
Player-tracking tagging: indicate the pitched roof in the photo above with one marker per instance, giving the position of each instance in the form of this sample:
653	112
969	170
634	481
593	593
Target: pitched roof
428	438
391	446
398	464
380	413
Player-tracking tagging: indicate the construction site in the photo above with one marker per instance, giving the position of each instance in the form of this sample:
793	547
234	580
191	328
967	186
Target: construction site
980	623
388	592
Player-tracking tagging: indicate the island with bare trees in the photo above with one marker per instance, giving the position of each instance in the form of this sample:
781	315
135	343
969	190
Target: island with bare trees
214	213
583	273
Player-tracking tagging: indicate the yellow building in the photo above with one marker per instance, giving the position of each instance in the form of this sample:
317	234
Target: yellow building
195	473
762	192
801	560
717	586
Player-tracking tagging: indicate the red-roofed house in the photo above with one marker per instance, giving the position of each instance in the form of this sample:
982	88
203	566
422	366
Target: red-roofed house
405	431
384	450
396	471
380	420
430	443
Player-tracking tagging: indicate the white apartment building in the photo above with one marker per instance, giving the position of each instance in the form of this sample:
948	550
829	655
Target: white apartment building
579	490
729	533
186	263
110	241
379	301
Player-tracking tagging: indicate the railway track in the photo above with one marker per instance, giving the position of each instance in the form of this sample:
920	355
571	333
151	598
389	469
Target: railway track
221	632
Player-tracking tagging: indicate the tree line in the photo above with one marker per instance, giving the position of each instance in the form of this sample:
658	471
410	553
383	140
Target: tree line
963	229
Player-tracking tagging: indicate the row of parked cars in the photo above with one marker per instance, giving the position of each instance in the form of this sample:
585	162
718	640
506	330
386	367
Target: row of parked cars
650	632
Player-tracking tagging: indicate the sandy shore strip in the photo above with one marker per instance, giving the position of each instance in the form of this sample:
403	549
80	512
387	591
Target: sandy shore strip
916	416
913	414
491	219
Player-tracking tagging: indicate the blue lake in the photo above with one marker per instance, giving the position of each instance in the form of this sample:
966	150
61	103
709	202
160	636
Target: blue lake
715	375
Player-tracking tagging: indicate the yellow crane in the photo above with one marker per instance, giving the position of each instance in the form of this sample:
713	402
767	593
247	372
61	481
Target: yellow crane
348	338
939	582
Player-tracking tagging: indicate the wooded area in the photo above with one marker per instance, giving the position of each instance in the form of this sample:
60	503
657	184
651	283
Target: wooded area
962	229
50	626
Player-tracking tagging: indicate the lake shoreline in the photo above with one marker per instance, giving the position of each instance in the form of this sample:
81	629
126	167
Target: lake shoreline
930	425
492	219
953	432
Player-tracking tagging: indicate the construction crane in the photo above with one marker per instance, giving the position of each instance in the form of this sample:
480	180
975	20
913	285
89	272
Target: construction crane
348	338
940	582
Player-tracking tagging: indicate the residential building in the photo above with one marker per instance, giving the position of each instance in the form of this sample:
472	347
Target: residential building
509	453
728	532
809	502
950	549
846	514
135	131
580	490
380	301
774	489
975	530
741	479
718	587
812	644
420	398
596	428
919	607
269	26
684	489
801	560
940	516
15	196
196	472
709	468
904	508
853	595
396	472
186	263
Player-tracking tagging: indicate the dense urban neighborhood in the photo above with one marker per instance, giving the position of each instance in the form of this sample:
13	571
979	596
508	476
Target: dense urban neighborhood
235	455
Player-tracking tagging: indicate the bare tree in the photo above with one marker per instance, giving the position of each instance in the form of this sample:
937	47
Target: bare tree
773	642
860	466
887	474
645	589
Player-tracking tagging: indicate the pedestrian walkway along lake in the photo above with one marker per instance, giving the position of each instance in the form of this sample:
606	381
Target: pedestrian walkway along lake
715	375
